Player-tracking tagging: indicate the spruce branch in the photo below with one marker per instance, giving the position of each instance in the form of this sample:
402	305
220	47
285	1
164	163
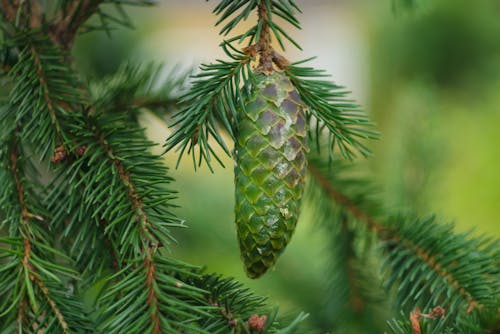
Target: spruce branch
115	185
137	213
137	222
94	132
232	308
213	319
165	306
432	265
31	279
217	93
43	104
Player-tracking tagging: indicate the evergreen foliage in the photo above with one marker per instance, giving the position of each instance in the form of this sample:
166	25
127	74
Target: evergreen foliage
424	262
86	207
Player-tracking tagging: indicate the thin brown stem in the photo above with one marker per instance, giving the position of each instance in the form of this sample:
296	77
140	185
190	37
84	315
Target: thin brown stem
265	49
135	199
344	201
53	306
51	106
268	57
152	295
63	32
21	315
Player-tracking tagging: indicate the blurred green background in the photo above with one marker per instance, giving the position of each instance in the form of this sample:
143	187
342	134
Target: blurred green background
429	77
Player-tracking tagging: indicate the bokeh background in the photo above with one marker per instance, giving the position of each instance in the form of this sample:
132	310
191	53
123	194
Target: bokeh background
429	77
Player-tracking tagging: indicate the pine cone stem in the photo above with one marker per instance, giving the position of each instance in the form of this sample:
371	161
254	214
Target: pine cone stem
266	51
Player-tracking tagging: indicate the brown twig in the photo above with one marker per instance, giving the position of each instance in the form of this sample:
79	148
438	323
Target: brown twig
53	306
152	295
62	33
64	30
344	201
265	49
51	104
268	57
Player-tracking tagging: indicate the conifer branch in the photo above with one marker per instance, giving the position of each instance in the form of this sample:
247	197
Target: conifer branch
108	204
443	259
210	320
88	128
386	234
29	269
232	308
108	155
48	101
45	92
142	219
150	243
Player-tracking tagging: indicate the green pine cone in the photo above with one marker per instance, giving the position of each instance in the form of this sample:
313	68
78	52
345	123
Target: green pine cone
270	169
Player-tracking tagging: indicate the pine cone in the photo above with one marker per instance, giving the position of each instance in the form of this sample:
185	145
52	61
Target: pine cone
270	168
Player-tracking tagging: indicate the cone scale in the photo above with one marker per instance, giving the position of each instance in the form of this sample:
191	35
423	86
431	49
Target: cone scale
270	168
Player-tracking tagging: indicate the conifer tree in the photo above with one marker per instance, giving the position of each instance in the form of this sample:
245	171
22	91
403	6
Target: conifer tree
87	207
